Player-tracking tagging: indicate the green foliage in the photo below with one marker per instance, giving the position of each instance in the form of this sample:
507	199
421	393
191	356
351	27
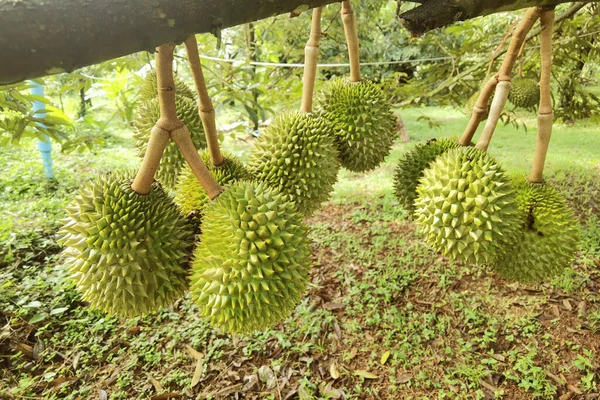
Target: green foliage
18	120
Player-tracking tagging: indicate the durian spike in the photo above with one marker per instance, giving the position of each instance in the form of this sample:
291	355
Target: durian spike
349	20
501	95
160	133
205	106
311	56
545	115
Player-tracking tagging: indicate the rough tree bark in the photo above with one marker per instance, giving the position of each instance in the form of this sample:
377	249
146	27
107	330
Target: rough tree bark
40	37
432	14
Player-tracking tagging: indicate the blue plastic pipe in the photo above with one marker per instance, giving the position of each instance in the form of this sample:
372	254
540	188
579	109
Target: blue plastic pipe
44	146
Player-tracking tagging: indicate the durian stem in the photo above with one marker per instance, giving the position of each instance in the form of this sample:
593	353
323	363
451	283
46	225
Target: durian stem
159	135
501	94
498	103
349	20
545	115
311	56
166	87
479	110
183	139
159	138
519	35
205	106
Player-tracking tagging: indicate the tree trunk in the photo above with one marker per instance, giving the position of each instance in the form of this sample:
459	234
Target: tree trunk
46	37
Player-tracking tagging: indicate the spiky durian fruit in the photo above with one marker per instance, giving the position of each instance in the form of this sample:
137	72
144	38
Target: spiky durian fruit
363	120
189	194
252	264
127	253
471	103
548	237
524	93
466	206
297	155
413	163
172	160
150	91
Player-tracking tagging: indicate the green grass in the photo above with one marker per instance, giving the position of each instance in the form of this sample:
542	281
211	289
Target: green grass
385	315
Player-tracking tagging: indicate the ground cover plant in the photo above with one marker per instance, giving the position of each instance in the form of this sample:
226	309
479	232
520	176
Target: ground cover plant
384	317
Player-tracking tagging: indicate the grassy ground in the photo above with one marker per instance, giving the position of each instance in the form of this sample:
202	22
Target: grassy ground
385	317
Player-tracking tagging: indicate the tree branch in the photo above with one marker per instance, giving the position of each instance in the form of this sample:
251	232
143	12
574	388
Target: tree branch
434	14
47	37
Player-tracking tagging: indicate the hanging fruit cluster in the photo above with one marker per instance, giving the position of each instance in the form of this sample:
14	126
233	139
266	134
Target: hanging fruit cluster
129	247
467	207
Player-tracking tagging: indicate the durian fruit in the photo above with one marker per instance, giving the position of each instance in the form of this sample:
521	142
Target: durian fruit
548	237
189	194
471	103
150	91
411	166
466	206
127	253
172	161
524	93
252	264
297	155
363	120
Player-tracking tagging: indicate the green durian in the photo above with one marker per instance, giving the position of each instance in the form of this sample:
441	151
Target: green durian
466	206
252	265
548	237
524	93
412	164
363	120
172	161
189	194
471	103
297	155
149	90
127	253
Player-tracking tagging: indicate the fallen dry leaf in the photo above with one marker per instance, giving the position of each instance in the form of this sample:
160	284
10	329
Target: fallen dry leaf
333	306
193	352
59	381
384	357
157	386
76	360
197	373
353	353
167	396
26	349
333	371
365	374
402	379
